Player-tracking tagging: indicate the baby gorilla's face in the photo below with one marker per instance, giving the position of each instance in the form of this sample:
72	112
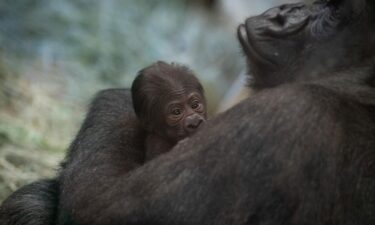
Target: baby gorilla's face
183	115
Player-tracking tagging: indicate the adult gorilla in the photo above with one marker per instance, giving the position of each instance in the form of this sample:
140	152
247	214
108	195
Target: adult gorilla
300	151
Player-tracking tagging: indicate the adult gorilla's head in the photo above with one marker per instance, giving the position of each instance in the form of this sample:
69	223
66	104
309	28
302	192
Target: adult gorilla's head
296	42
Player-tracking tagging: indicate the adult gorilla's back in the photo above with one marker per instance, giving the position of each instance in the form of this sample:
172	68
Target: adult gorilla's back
300	151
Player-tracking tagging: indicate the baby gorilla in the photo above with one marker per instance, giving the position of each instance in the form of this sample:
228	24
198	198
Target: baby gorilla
169	101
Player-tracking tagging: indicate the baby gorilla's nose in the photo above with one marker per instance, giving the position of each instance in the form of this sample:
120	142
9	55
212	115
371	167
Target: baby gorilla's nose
193	122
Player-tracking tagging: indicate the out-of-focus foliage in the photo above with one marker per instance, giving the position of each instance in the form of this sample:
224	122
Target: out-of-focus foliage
30	140
111	40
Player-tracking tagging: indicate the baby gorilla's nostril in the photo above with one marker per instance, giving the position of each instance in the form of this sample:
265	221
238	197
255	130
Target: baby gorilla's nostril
194	123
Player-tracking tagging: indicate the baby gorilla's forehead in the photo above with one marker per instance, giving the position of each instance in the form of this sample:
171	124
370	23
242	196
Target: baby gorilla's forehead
182	97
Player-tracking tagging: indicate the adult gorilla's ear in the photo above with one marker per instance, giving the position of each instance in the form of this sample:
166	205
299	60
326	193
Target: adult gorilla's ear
335	1
350	8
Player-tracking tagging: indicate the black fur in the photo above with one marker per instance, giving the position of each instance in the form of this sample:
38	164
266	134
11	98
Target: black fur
33	204
108	145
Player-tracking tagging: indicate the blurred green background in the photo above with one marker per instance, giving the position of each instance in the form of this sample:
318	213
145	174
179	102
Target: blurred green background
56	54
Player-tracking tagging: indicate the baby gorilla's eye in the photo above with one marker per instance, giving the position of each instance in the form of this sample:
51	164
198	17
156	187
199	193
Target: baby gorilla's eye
176	112
195	105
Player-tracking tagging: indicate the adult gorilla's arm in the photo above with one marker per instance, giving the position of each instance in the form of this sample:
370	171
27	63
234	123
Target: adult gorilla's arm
32	204
108	145
236	170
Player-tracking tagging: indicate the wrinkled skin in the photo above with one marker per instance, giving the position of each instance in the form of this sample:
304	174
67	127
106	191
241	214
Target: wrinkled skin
184	113
299	151
169	101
